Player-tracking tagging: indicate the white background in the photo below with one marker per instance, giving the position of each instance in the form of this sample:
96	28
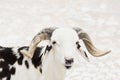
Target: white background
20	20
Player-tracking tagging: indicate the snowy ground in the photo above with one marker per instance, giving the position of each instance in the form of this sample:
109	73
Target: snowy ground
20	20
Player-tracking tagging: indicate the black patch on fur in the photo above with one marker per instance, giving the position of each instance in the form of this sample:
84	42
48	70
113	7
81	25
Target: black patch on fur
8	55
5	70
40	70
12	70
26	64
36	59
8	78
48	48
20	60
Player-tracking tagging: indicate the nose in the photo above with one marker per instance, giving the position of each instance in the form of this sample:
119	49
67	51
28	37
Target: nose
69	60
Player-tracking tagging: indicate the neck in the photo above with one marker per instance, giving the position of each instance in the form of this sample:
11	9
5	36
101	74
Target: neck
52	69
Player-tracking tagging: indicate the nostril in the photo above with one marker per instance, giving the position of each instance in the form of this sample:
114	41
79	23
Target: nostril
69	61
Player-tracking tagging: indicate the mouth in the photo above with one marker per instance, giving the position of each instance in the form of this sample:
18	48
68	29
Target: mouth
68	67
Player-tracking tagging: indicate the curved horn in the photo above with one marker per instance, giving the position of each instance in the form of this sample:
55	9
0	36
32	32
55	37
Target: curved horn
89	45
43	35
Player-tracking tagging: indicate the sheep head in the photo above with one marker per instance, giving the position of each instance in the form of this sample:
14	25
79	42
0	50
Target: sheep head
63	40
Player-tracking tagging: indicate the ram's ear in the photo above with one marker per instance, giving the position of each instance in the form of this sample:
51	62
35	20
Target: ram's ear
84	54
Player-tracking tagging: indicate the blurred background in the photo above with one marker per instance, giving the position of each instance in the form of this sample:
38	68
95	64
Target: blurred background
20	20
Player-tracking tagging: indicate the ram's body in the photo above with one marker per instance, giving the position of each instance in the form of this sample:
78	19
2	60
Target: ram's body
16	66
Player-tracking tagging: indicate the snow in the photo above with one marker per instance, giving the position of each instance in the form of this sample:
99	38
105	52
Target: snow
20	20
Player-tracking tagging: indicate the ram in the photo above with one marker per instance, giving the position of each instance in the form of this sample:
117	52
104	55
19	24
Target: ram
63	45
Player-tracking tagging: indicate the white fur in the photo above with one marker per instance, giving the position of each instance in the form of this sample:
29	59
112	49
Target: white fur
22	73
65	47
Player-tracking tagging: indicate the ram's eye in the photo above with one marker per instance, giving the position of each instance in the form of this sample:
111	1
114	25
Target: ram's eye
54	42
78	45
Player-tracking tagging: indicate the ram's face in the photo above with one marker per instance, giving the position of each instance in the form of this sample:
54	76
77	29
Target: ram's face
65	44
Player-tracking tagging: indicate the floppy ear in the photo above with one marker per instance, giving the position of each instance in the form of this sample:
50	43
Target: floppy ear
89	45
